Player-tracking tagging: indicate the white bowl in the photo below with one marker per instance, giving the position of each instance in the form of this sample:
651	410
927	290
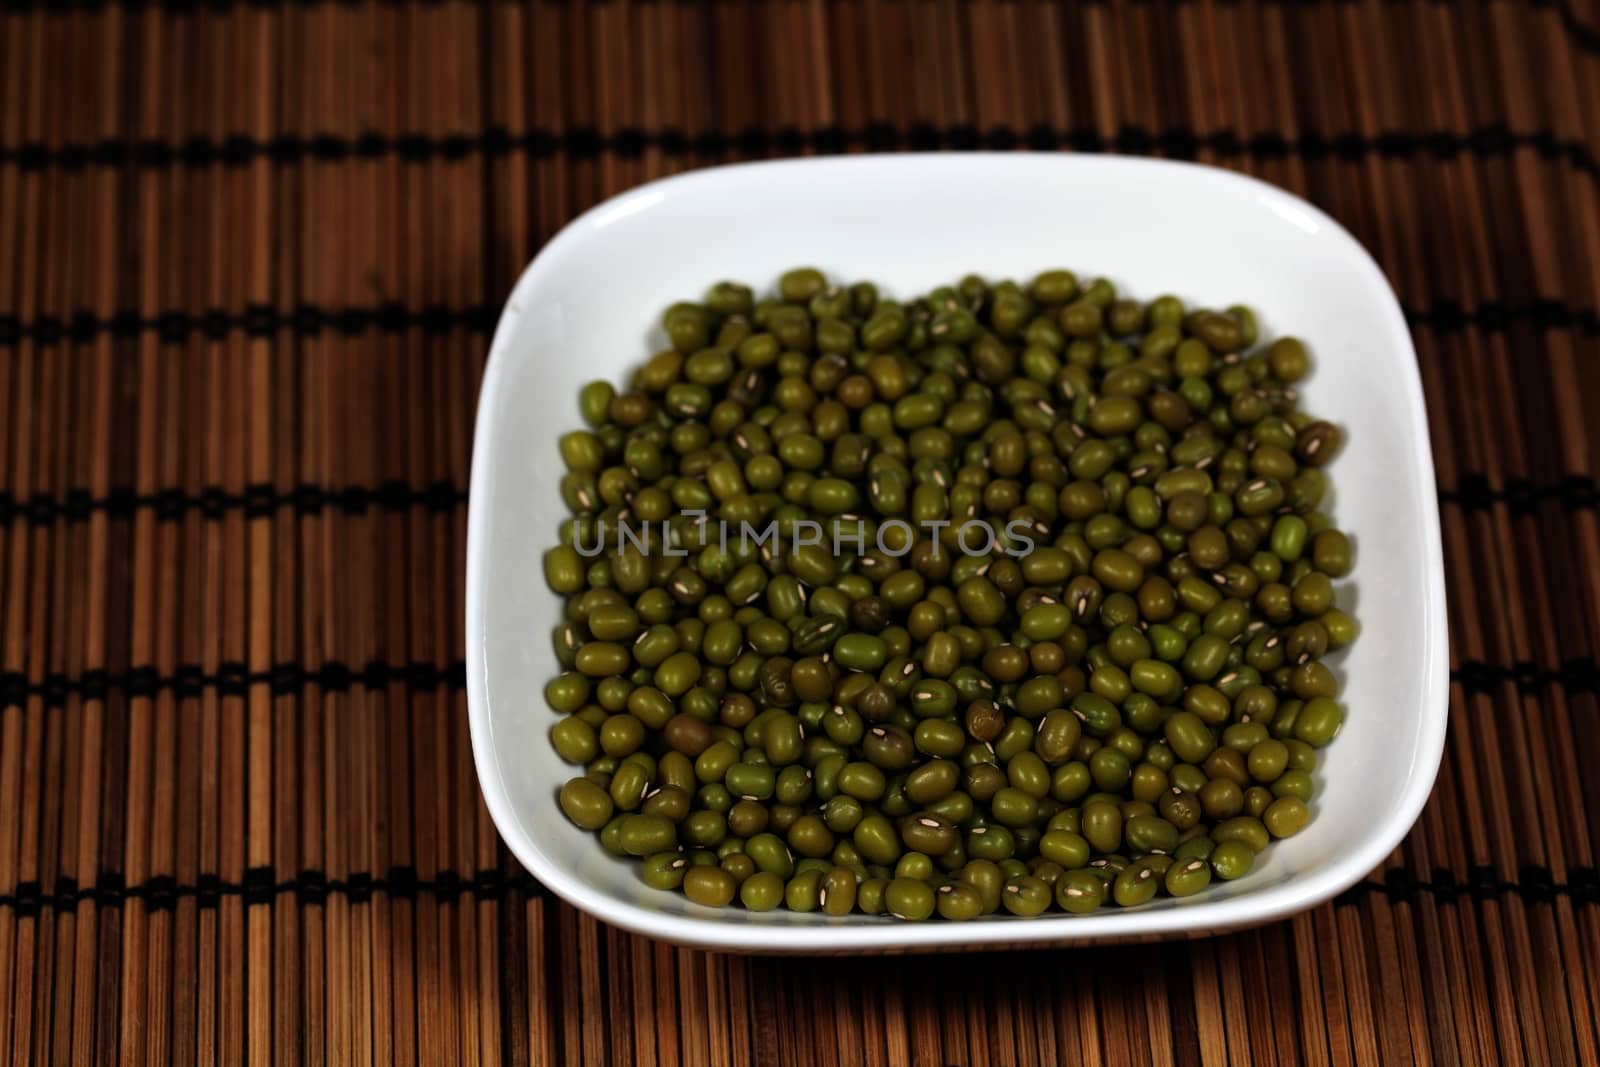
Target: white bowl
588	306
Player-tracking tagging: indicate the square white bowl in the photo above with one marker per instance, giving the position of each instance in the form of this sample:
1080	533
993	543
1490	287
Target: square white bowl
588	306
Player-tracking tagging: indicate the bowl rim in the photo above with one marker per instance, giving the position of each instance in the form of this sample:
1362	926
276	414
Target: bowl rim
857	933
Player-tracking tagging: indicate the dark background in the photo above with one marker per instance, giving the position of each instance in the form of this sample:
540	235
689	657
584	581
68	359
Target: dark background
249	258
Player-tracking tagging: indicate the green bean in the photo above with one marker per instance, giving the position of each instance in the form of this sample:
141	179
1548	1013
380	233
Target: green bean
1231	859
929	718
1187	877
1080	892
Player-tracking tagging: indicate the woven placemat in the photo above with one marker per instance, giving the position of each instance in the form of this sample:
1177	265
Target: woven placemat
248	262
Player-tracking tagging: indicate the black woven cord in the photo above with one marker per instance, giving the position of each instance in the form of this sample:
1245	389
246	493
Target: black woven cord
1472	492
1483	142
262	885
312	320
1534	884
1576	676
176	326
232	679
212	502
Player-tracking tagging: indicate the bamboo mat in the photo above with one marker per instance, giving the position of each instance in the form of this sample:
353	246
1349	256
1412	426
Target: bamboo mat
248	262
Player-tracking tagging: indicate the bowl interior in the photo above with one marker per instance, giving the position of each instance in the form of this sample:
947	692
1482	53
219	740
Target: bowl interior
588	307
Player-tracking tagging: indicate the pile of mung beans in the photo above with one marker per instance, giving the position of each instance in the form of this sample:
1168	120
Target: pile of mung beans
1120	695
